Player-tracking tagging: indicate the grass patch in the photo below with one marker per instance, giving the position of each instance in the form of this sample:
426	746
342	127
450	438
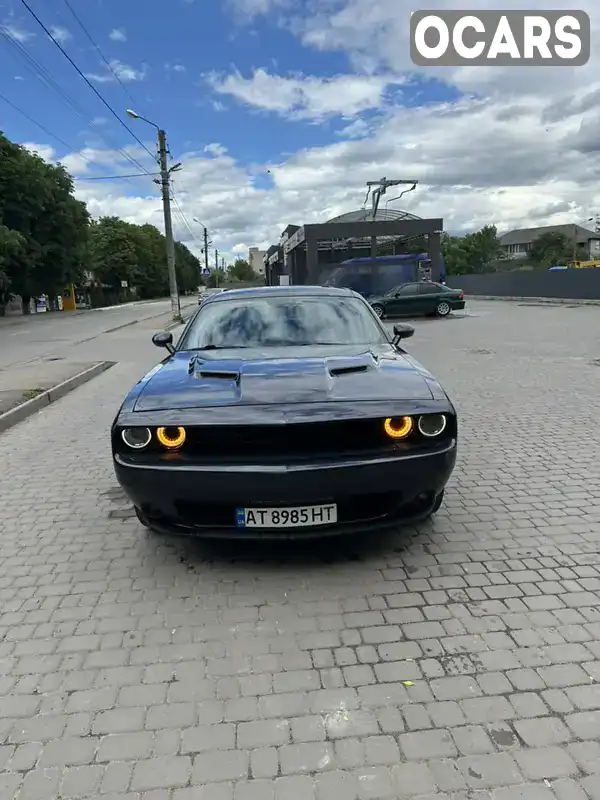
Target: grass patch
29	394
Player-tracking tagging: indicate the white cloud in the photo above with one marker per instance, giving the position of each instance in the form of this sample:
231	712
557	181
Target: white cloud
521	149
305	97
215	149
123	72
118	35
249	9
478	162
42	150
61	35
17	32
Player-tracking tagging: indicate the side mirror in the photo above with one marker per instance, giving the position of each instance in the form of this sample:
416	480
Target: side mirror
402	331
164	339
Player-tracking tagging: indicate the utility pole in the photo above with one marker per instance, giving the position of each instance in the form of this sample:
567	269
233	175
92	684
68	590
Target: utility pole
166	198
216	268
205	248
165	175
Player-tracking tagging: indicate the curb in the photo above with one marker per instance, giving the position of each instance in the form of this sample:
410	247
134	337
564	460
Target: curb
21	412
144	319
173	325
553	301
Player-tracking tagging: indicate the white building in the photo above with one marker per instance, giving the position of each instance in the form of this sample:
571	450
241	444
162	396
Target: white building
256	259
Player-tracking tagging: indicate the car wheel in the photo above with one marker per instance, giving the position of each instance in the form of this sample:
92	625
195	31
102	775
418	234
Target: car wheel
438	502
142	517
443	309
378	310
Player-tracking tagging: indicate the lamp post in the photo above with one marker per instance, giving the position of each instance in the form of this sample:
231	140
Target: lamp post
205	242
165	174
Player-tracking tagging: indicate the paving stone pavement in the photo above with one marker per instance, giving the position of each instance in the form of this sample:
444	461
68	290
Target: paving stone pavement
459	659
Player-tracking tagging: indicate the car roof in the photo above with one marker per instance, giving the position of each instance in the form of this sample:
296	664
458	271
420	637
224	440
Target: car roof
281	291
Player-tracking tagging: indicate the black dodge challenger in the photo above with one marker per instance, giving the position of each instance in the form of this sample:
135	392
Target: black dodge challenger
284	411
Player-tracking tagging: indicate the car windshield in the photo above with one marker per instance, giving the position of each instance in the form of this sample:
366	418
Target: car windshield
282	322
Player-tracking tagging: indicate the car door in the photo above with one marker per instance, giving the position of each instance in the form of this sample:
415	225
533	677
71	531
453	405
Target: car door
430	294
405	302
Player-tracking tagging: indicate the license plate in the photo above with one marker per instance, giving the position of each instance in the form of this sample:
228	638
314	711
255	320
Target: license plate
293	517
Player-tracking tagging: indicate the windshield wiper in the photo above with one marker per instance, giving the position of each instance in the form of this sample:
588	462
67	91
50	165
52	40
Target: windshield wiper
217	347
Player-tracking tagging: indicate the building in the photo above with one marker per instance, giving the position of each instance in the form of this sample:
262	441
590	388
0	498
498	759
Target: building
517	244
308	254
256	259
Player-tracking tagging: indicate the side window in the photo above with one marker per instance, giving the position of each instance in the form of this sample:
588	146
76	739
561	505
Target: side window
410	288
429	288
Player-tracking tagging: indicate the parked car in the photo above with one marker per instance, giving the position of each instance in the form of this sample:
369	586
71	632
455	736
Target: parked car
422	298
284	411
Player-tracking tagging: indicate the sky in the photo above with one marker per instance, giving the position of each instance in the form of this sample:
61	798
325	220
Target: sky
280	111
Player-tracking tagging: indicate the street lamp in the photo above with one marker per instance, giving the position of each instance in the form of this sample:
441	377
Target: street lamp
165	174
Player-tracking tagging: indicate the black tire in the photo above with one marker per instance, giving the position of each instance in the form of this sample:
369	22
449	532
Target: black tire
443	308
378	309
141	517
438	502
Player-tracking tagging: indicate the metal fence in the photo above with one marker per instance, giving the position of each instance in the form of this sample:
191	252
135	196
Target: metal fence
567	284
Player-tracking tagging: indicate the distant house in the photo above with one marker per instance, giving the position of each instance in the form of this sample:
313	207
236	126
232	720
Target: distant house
256	259
517	244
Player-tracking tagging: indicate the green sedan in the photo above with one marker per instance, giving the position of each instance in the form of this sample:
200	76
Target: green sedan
418	299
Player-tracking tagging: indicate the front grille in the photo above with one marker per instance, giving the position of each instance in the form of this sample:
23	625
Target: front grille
286	441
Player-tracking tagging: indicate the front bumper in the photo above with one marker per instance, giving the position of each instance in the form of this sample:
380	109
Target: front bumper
370	493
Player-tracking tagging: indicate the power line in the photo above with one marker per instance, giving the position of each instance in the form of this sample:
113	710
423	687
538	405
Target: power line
113	177
42	127
97	47
182	215
89	83
41	73
73	149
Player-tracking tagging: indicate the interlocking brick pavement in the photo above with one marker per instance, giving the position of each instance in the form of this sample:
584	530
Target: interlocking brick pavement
459	659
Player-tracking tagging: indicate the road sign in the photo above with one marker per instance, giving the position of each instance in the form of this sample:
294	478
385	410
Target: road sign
124	284
205	271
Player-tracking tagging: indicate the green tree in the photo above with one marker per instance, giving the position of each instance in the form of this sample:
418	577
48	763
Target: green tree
215	279
555	249
37	203
241	270
189	271
113	253
475	252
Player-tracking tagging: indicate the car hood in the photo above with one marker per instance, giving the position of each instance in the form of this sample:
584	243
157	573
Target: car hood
197	380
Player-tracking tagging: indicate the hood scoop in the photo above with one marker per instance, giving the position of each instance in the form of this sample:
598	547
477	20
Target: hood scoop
218	374
195	368
336	372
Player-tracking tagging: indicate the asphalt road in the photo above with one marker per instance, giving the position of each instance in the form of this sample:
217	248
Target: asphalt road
457	660
23	339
